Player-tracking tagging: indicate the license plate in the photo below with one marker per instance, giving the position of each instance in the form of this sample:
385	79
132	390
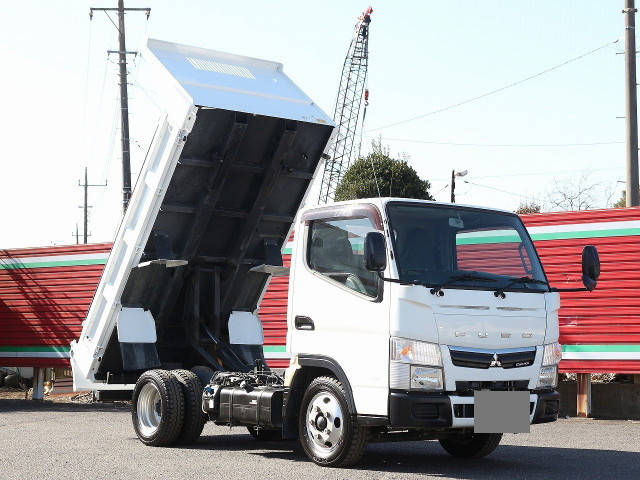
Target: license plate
501	412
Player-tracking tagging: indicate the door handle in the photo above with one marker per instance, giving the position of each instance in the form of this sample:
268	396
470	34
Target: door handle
303	323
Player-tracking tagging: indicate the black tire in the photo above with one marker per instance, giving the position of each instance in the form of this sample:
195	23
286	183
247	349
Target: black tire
204	374
264	435
194	417
354	437
474	445
170	407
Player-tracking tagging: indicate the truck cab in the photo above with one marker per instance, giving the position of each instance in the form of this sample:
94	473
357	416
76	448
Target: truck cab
416	308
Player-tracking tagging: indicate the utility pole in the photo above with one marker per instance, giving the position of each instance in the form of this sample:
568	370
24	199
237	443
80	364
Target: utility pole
455	174
86	205
77	235
633	187
124	98
453	186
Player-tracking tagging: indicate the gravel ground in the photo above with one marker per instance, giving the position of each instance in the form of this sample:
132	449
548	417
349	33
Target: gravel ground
55	440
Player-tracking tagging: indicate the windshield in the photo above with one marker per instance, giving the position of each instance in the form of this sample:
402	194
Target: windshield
463	248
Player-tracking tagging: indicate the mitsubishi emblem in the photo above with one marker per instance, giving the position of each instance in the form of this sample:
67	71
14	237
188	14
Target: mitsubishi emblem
495	362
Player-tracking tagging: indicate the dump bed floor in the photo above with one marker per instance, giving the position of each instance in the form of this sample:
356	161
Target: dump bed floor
234	193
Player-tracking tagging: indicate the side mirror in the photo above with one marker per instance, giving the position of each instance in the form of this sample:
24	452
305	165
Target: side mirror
375	252
590	267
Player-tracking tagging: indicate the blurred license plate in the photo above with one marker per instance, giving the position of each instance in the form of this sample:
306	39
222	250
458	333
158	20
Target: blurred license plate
501	412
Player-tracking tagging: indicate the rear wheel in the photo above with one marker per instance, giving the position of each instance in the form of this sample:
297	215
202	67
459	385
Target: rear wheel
473	445
194	417
328	435
157	408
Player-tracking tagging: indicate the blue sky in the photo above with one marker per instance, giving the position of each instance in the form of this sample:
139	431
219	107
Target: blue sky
59	96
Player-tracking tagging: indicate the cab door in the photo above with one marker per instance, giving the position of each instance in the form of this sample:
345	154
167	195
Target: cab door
338	308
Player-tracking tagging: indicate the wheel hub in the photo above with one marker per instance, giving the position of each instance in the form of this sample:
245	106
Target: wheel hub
321	422
325	425
149	409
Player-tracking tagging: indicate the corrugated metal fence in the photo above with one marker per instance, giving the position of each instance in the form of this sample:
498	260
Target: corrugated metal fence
600	330
44	297
45	293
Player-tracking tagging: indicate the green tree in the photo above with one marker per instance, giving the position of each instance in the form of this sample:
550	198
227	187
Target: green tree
622	202
395	178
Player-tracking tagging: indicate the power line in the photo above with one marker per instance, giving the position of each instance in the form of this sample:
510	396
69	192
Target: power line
499	145
500	190
535	174
86	89
497	90
111	20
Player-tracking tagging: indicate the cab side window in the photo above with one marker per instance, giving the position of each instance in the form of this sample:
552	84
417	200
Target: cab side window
335	249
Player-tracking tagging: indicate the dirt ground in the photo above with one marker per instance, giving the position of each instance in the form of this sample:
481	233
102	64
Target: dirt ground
65	397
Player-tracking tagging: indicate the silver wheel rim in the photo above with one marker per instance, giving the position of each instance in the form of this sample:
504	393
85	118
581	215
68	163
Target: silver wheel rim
149	409
324	424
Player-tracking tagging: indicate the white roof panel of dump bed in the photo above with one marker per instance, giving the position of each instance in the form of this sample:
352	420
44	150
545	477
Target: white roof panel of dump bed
233	82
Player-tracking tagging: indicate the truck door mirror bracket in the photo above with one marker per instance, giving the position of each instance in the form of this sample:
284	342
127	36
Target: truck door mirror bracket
590	271
375	252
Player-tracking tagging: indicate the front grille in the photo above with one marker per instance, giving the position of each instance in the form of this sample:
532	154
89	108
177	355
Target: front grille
523	358
463	358
466	388
476	359
424	411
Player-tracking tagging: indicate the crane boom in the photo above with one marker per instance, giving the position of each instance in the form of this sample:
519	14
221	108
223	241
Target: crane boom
347	108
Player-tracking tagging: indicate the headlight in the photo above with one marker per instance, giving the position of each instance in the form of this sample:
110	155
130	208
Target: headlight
426	378
552	354
548	377
413	351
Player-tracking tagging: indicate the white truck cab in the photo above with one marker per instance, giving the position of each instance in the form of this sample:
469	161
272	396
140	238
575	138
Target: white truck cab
415	307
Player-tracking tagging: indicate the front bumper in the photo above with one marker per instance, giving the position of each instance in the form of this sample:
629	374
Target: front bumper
433	410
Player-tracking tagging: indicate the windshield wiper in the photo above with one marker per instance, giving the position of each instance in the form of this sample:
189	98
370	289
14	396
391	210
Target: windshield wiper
437	290
403	282
500	291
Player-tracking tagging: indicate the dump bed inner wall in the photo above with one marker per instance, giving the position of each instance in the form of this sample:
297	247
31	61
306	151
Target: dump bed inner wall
237	186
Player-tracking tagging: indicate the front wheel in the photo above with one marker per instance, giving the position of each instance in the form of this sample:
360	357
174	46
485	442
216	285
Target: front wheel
473	445
328	435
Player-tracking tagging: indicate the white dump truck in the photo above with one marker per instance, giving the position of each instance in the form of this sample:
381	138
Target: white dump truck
408	319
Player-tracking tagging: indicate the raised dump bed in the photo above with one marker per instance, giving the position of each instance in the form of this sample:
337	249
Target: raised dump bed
230	164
